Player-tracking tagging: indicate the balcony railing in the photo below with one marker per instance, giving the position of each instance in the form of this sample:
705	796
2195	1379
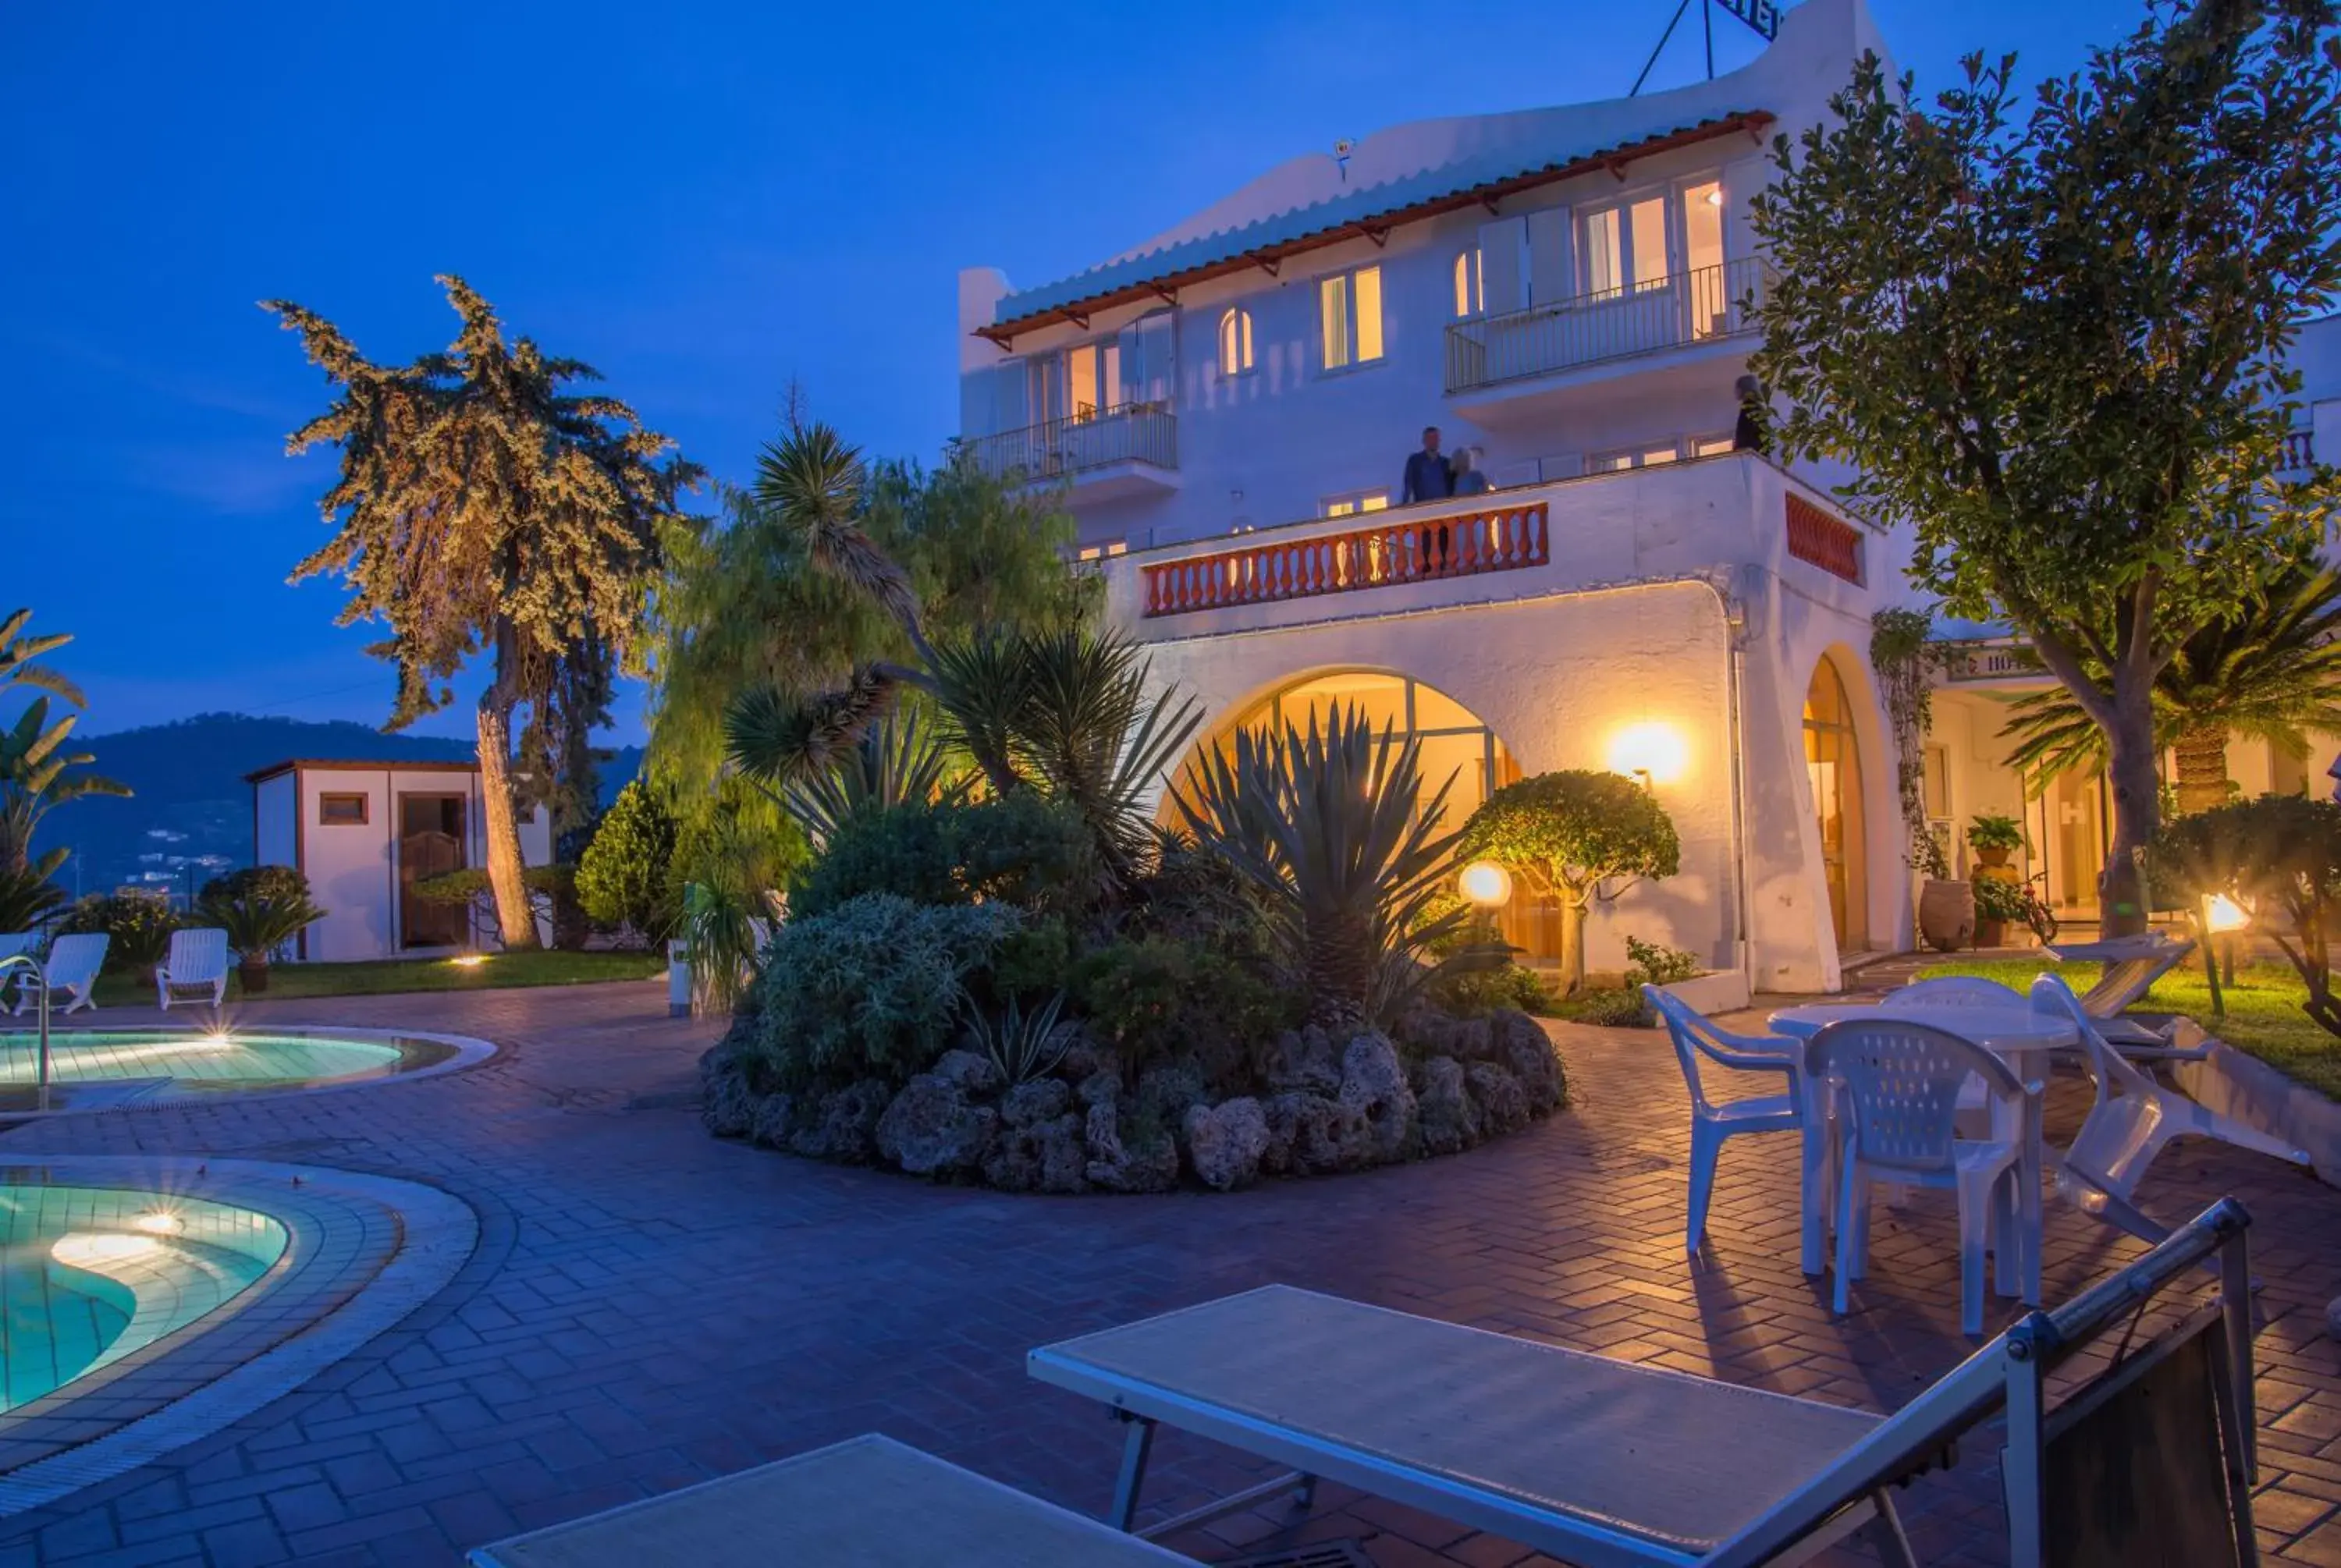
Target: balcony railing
1145	432
1824	540
2299	451
1690	307
1421	549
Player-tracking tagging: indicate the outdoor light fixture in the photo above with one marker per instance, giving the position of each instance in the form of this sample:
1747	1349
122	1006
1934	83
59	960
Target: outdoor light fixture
2227	915
1485	884
1653	752
468	960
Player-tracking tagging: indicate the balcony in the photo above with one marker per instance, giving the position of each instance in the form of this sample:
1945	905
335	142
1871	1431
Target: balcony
1104	454
1524	353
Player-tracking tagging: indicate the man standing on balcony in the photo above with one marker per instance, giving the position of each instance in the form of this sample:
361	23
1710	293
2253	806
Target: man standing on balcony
1428	477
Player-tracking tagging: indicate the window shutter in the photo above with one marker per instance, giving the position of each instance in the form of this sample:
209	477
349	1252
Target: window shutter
1552	274
1153	370
1502	282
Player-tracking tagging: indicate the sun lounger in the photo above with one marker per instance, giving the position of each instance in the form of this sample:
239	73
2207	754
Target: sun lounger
2132	965
1610	1464
198	961
869	1501
72	971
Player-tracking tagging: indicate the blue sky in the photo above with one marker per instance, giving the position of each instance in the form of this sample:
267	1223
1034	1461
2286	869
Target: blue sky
702	200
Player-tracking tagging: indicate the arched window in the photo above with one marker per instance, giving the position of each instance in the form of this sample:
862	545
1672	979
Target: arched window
1235	342
1471	291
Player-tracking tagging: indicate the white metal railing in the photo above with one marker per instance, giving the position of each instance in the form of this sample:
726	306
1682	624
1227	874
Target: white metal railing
1145	432
1690	307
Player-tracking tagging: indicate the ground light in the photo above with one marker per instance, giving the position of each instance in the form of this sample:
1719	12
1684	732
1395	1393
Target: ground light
468	960
156	1222
2227	915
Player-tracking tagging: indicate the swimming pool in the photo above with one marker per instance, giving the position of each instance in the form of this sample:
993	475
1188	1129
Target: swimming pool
95	1069
90	1275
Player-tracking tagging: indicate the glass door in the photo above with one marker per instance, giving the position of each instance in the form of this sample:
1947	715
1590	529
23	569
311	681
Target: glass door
2074	819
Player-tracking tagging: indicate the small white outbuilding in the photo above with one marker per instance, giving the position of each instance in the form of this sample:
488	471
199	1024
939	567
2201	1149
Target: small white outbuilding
363	833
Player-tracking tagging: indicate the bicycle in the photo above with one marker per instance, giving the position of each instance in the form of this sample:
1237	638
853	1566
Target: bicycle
2035	912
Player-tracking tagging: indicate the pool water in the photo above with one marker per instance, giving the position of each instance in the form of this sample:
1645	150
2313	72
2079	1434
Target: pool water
140	1066
90	1274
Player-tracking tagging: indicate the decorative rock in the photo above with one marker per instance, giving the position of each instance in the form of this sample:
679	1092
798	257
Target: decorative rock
1428	1032
1449	1120
1043	1156
1522	1046
1373	1083
1167	1093
1116	1167
930	1129
1503	1104
726	1103
846	1127
1102	1087
774	1120
1225	1142
969	1074
1036	1100
1309	1134
1305	1060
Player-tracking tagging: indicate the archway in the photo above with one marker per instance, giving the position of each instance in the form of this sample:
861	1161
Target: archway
1833	759
1451	739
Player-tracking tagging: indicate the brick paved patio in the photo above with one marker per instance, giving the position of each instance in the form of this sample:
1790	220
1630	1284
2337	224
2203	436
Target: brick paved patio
649	1307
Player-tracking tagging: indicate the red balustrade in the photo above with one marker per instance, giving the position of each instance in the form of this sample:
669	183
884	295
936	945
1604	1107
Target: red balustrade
1830	542
1425	550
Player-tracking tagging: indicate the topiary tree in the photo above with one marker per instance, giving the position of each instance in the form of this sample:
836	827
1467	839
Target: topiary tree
1568	833
2277	855
623	879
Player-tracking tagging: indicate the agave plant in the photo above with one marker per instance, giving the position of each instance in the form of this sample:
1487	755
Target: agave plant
1334	828
898	759
1022	1046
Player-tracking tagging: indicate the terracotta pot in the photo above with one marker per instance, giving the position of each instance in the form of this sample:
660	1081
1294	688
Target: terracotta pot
1990	933
1946	917
252	977
1994	857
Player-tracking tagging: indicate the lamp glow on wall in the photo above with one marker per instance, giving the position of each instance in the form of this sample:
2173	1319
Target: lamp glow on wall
1652	752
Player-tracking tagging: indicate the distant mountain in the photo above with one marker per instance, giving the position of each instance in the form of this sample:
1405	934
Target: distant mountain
190	815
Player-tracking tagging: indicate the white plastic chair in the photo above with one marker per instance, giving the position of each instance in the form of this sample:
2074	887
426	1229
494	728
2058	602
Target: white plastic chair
1900	1085
197	962
1712	1124
2134	1117
71	970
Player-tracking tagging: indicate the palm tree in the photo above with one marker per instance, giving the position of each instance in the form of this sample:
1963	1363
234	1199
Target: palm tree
2272	673
37	775
19	649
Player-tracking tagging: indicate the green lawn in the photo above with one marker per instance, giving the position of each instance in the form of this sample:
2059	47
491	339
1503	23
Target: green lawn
2264	1014
497	970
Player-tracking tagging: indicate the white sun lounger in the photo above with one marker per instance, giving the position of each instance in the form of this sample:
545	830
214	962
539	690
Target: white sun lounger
71	971
2132	965
869	1501
197	962
1610	1465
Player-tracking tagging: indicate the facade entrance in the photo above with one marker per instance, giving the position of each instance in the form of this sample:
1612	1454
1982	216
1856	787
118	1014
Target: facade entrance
1833	759
2068	827
429	844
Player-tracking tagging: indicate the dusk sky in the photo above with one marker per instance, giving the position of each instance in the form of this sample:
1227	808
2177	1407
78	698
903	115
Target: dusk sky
702	200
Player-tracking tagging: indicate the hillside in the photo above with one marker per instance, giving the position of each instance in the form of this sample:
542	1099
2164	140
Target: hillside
191	804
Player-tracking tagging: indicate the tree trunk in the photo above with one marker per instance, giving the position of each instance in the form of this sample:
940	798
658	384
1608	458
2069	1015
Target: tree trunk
1572	945
2202	768
2130	758
507	878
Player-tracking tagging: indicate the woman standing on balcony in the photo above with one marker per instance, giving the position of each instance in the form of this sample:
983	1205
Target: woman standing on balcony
1470	479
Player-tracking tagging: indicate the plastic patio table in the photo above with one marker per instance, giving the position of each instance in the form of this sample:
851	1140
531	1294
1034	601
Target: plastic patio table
2016	1033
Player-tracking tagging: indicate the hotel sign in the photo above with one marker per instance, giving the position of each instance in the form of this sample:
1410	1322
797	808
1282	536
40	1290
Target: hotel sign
1987	661
1762	15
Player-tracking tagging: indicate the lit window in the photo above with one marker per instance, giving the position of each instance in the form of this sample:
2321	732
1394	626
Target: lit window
1709	445
1625	246
1235	343
1350	306
1470	284
1357	501
1649	456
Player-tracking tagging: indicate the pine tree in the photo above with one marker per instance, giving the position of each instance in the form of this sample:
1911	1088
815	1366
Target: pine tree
484	507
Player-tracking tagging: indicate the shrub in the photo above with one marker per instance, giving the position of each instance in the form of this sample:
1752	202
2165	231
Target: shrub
624	876
1154	997
261	908
1612	1009
1019	848
1998	899
557	883
870	989
1655	964
2277	855
1571	833
1474	992
139	924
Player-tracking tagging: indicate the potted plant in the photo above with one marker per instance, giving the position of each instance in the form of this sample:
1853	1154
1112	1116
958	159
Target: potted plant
1993	839
261	909
1999	901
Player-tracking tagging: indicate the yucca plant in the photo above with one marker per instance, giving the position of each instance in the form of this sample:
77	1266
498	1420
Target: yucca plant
899	760
1336	830
1022	1046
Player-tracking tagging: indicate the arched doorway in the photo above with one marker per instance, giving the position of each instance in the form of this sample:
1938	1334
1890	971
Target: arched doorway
1833	758
1451	739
